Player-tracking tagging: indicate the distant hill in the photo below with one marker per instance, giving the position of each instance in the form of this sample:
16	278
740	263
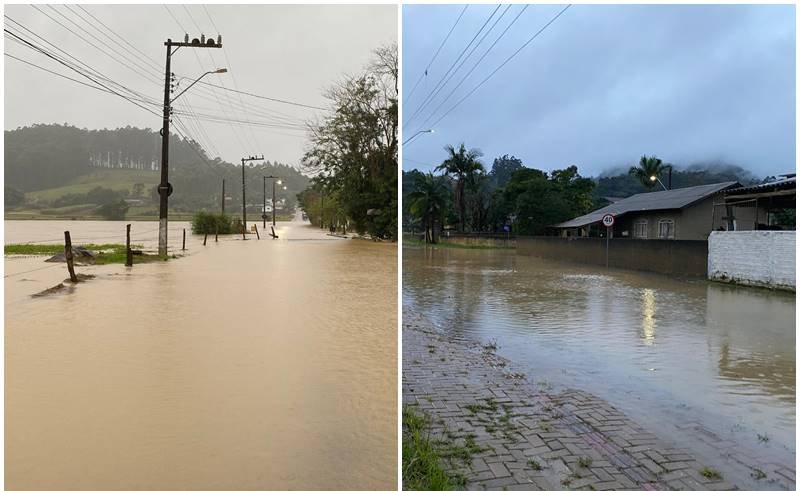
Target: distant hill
54	168
618	184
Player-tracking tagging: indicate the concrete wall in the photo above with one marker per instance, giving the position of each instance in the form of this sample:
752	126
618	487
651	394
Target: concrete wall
760	258
479	240
677	257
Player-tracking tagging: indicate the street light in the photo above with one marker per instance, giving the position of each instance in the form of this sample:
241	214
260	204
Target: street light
417	134
655	178
218	70
279	182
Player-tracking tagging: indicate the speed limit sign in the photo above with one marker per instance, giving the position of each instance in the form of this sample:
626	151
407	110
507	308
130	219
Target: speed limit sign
608	220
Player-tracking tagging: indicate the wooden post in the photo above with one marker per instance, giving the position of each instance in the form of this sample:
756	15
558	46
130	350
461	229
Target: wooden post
258	236
216	233
68	256
128	252
183	247
205	237
273	232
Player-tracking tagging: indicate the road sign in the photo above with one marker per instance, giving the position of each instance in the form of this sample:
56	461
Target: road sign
608	220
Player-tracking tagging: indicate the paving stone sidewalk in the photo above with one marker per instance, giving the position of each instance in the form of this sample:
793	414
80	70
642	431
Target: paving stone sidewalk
522	437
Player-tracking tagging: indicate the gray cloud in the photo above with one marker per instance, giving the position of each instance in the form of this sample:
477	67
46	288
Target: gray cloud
606	84
287	52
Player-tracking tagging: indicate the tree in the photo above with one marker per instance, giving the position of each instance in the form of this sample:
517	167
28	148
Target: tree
114	211
13	196
428	202
353	152
647	168
503	168
461	164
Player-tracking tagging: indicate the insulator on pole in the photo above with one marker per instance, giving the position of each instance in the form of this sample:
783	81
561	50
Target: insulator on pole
186	38
202	39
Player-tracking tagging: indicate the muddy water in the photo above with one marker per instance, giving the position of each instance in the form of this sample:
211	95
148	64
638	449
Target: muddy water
251	364
672	353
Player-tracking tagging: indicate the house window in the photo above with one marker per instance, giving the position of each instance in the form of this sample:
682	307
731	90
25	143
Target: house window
640	229
666	229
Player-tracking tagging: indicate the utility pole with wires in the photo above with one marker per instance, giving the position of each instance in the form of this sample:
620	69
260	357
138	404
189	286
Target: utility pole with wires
274	178
244	203
165	188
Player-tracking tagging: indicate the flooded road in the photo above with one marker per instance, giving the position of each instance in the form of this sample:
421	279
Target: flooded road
245	365
669	352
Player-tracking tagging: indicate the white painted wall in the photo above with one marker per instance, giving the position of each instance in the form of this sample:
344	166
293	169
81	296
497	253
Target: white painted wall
759	257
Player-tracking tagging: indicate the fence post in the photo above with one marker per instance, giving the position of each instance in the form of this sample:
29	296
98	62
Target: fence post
68	257
205	237
216	233
258	236
273	232
183	248
128	252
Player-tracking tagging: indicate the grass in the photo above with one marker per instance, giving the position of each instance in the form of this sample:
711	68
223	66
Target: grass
116	179
106	253
758	474
410	241
710	473
422	456
584	462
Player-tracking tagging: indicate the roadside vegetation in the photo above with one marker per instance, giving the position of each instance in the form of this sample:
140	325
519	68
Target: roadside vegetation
410	240
353	153
423	456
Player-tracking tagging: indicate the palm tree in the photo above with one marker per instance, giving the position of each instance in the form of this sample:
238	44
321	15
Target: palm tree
461	164
428	202
648	167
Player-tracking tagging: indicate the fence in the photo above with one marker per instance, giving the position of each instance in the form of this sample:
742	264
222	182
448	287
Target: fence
675	257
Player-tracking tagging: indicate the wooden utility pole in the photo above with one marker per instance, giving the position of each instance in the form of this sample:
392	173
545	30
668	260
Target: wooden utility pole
183	247
223	196
68	257
264	206
128	252
244	202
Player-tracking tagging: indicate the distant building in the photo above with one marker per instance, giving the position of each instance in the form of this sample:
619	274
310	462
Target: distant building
677	214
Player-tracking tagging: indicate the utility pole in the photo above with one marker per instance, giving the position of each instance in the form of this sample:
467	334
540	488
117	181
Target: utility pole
244	203
164	187
264	204
223	196
273	196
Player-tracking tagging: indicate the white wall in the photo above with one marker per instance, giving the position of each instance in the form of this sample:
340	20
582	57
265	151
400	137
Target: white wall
761	257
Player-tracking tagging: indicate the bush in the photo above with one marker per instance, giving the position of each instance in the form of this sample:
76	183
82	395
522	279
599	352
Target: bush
114	211
209	223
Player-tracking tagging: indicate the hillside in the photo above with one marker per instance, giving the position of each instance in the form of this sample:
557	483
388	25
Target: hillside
59	171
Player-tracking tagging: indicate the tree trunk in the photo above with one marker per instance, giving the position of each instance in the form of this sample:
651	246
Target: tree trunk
461	205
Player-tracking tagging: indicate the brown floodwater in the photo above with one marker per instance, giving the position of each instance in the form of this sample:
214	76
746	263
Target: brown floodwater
251	364
670	352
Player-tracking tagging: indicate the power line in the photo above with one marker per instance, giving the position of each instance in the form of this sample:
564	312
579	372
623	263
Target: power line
464	78
89	69
504	63
427	99
282	101
44	52
425	73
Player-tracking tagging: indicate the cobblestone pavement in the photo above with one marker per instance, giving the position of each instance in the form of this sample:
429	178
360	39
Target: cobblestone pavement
519	436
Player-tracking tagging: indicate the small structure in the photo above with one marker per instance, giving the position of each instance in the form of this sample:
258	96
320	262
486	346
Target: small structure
676	214
758	250
761	207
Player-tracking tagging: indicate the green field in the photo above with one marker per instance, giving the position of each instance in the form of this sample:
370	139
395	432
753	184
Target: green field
116	179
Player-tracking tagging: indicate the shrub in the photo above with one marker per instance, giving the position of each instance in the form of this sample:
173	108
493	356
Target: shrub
209	223
114	211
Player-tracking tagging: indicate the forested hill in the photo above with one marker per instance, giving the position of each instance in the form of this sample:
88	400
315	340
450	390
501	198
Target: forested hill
619	184
47	161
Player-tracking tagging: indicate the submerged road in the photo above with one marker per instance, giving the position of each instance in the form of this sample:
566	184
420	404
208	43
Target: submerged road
244	365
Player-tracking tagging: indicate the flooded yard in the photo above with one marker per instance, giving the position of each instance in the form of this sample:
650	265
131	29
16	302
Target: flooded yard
674	354
244	365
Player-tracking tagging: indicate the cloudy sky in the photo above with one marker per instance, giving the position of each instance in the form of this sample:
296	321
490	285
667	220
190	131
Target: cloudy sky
603	85
286	52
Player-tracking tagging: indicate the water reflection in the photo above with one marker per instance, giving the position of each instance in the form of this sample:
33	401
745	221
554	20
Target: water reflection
648	316
724	351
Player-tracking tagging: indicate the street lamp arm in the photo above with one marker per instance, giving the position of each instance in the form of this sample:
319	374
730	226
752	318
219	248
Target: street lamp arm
417	134
221	70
